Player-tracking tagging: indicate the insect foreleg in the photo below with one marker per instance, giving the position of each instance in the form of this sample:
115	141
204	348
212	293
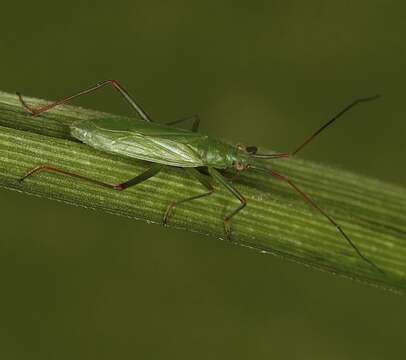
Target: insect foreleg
195	123
202	179
227	220
115	84
152	171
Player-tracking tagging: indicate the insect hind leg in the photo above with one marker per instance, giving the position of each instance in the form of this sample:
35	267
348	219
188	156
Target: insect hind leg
152	171
115	85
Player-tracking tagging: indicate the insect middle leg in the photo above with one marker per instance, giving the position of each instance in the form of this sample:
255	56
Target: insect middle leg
227	220
202	179
115	84
195	123
152	171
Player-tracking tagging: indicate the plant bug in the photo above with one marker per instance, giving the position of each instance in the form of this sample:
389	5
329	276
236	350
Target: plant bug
165	145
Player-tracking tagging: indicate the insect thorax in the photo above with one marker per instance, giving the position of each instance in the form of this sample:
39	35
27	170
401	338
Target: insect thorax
220	154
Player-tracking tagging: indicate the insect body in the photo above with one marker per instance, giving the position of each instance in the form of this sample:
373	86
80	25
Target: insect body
153	142
165	145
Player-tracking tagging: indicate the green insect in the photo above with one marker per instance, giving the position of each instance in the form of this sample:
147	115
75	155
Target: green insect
164	145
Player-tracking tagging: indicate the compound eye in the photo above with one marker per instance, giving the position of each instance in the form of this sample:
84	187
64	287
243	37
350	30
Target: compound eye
251	149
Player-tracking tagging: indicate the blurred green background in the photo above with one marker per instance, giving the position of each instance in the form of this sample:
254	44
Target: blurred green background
86	285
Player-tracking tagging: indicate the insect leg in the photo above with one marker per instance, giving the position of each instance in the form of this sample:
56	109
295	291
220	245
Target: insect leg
115	84
216	175
202	179
153	170
195	124
321	211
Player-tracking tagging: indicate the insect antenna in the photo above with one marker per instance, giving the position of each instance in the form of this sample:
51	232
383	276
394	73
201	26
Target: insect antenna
271	156
319	209
317	132
333	119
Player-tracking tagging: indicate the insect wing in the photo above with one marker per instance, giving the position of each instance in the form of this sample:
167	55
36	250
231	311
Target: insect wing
150	142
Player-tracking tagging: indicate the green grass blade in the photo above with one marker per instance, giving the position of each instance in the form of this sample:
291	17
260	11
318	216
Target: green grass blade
276	220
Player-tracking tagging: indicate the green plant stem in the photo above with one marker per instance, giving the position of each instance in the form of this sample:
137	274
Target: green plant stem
276	220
